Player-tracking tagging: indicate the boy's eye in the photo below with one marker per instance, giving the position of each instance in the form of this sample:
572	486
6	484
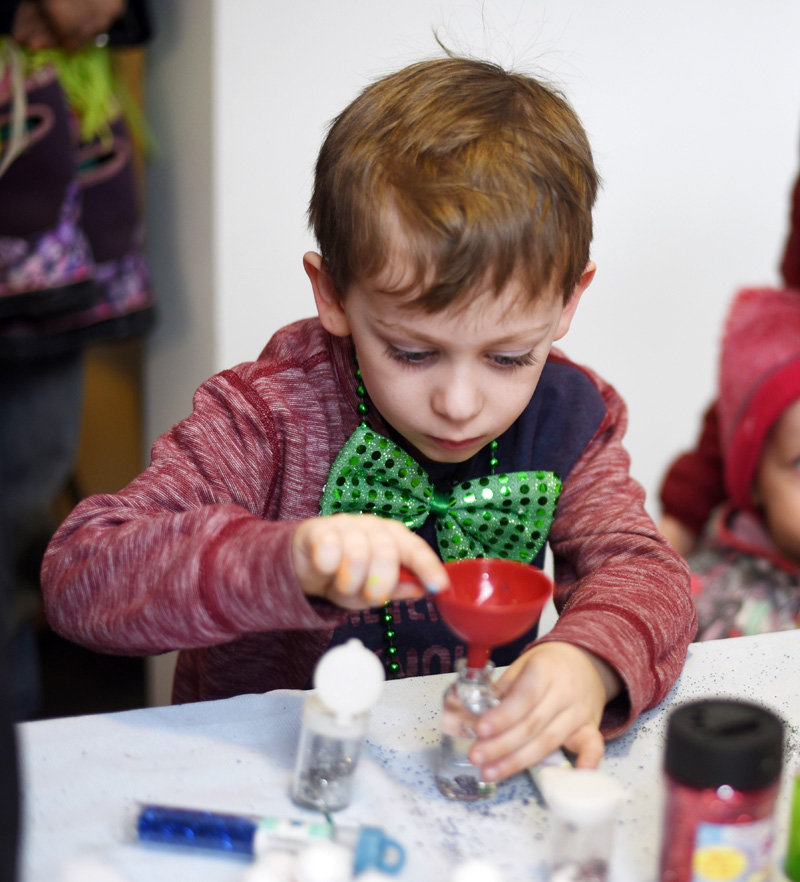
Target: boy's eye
527	358
408	356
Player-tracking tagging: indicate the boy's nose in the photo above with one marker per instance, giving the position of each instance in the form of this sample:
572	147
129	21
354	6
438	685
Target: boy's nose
457	397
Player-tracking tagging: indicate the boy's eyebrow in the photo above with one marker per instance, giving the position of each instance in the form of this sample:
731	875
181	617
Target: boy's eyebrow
394	327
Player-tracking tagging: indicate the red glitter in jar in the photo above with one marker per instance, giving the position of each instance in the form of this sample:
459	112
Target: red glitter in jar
722	770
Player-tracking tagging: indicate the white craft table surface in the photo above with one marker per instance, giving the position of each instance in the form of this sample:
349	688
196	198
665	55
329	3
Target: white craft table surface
84	776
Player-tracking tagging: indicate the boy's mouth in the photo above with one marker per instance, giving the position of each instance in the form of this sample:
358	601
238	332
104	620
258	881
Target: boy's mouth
451	444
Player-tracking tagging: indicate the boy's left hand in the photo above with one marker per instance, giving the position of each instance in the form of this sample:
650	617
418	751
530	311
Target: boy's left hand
553	696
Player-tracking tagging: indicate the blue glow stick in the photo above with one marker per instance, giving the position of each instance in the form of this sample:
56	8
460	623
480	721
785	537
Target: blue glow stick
240	834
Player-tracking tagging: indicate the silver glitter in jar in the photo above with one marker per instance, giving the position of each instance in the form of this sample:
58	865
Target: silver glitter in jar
348	680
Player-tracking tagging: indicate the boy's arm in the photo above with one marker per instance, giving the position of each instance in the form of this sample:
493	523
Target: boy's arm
622	592
186	555
626	620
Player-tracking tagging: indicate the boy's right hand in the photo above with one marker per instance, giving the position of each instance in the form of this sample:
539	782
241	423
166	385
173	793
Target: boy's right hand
354	560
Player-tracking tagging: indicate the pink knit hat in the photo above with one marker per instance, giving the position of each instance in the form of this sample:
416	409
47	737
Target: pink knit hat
759	378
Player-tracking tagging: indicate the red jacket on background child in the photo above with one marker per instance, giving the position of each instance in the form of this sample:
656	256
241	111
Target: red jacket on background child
693	485
746	569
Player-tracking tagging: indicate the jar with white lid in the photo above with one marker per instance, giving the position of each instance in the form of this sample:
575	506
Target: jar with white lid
347	682
583	807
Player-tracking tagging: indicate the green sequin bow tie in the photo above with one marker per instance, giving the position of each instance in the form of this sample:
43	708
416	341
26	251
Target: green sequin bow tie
495	516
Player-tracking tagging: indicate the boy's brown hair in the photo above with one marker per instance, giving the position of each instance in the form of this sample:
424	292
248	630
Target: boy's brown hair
489	174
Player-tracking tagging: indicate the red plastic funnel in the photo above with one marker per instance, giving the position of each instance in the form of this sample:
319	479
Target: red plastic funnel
491	601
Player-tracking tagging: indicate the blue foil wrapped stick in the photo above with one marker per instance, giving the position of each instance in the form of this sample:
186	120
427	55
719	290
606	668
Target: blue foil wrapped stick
242	834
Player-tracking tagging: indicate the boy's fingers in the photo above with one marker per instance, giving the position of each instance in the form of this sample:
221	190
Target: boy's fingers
404	565
508	678
381	581
525	700
588	744
326	553
355	564
355	560
524	752
508	737
425	567
516	749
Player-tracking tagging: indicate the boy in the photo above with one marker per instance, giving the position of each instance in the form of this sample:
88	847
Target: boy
453	209
746	568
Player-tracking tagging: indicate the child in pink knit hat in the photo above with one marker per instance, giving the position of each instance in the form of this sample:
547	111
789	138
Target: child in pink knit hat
693	485
746	573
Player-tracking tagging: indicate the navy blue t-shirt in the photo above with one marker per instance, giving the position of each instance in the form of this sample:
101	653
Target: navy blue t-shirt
550	435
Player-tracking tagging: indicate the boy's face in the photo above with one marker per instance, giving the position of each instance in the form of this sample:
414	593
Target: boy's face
777	484
450	382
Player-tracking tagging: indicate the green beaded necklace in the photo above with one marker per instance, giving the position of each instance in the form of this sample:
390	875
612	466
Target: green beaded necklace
387	618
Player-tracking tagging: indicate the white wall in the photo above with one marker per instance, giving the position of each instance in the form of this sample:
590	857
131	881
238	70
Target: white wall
692	107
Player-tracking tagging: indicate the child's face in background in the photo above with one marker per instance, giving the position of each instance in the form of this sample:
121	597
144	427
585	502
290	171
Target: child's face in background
453	381
777	485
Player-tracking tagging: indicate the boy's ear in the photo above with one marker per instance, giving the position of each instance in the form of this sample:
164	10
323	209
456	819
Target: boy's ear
329	303
575	298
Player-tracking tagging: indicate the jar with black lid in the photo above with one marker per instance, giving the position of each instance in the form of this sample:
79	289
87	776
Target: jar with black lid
722	769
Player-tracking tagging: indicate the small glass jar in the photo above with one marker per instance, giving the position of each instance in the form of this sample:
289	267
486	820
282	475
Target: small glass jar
347	681
465	700
583	805
327	755
722	769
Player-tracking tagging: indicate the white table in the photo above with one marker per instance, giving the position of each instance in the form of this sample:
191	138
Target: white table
84	776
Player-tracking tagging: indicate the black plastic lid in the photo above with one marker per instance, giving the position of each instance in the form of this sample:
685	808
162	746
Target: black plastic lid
720	741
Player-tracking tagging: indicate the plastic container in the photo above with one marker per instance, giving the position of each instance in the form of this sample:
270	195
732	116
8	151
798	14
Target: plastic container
583	806
722	769
464	701
348	681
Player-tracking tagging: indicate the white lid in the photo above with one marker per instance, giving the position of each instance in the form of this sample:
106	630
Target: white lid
476	870
349	679
581	795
